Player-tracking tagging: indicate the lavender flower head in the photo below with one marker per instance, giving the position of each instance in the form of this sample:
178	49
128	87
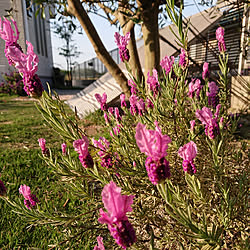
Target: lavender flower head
133	104
30	200
81	147
133	86
167	63
183	58
26	64
205	73
212	94
64	147
154	144
42	144
103	145
100	244
205	115
9	35
102	101
220	39
154	85
194	88
117	205
3	189
150	105
122	42
192	124
123	102
188	152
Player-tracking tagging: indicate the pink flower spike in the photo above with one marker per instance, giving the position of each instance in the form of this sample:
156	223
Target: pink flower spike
206	117
167	63
117	206
7	33
220	39
64	147
122	42
133	86
102	100
117	114
123	102
25	191
81	146
42	144
30	200
212	94
188	152
151	142
205	73
3	189
192	124
100	244
154	85
183	58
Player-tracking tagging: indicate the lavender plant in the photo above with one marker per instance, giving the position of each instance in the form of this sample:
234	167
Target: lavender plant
169	153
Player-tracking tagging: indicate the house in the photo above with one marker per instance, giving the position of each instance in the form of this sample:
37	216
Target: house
34	29
202	43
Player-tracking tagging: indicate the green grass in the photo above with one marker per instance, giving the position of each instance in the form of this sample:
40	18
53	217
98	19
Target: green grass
20	127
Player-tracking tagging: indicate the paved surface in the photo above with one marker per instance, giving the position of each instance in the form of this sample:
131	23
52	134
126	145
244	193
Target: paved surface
66	94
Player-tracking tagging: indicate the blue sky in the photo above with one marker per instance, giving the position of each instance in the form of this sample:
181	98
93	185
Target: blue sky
106	32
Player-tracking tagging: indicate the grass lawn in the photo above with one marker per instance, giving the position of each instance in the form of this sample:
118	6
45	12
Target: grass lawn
20	127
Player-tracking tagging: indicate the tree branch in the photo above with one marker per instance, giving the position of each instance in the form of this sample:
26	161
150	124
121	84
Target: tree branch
76	9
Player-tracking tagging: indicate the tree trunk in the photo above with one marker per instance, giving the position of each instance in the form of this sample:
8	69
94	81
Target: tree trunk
134	60
150	30
76	9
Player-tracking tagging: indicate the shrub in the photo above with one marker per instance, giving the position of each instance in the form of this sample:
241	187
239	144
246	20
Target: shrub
13	84
169	176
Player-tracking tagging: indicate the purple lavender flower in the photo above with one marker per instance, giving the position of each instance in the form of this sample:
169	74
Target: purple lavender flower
205	115
64	147
100	244
117	206
3	189
42	144
122	42
167	63
183	58
30	200
133	104
117	115
102	101
154	85
106	158
154	144
106	118
212	94
133	86
188	152
150	105
123	102
205	73
141	107
220	39
9	36
81	147
192	124
194	87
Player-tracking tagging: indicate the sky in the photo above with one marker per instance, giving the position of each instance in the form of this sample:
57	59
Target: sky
106	32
